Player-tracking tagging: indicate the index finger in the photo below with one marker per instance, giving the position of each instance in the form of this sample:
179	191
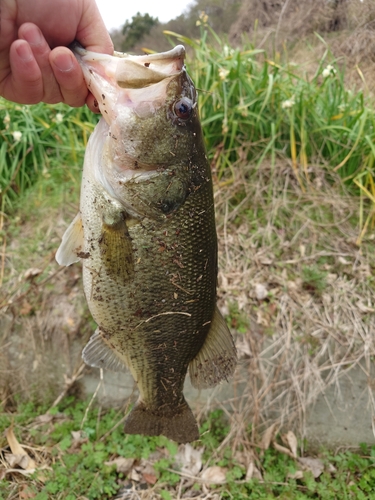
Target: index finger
92	33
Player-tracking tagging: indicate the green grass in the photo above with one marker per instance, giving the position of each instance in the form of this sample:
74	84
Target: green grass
253	107
78	469
40	142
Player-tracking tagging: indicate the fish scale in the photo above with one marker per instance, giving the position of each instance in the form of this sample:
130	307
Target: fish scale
146	237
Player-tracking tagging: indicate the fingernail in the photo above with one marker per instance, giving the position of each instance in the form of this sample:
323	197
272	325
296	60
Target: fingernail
33	36
24	52
64	62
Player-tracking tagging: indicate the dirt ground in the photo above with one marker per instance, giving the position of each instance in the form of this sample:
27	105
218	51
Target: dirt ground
296	289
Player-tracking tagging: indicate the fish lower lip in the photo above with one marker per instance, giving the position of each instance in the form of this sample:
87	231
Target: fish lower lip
77	48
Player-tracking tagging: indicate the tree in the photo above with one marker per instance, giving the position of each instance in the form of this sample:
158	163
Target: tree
136	29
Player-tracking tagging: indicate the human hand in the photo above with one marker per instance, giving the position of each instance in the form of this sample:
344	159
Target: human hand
35	63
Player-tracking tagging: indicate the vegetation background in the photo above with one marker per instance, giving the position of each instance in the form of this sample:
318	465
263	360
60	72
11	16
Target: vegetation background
287	107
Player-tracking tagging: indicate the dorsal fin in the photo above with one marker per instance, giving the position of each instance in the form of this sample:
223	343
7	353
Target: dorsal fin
217	359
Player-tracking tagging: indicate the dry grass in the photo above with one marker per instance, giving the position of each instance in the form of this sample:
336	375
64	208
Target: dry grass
289	264
43	316
287	21
291	280
298	291
349	32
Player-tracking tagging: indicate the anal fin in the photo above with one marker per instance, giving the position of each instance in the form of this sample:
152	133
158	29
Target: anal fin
217	359
99	354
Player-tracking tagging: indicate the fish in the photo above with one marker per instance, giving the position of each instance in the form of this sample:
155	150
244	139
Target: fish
146	236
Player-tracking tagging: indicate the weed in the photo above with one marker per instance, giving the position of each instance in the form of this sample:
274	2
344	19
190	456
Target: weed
314	280
237	319
252	108
257	108
214	430
39	141
80	463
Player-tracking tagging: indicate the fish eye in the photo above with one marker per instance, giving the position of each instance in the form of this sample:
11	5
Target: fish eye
183	108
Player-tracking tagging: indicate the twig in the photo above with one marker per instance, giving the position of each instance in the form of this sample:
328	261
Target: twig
72	381
93	398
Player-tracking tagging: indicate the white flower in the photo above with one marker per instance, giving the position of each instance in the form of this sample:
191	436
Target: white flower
17	135
223	73
59	118
328	71
227	51
6	120
289	103
203	18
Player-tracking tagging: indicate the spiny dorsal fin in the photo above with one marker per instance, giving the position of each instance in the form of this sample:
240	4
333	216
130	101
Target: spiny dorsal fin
117	251
99	354
71	244
217	359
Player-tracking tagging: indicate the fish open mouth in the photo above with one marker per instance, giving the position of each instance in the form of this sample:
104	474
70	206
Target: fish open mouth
138	82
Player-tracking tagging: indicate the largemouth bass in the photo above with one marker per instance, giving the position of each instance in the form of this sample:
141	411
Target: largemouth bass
146	236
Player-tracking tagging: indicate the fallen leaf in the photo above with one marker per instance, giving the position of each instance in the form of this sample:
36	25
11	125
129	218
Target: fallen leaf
267	437
282	449
290	439
79	438
44	419
331	468
123	465
134	475
261	291
295	475
17	449
149	478
214	475
253	472
20	471
148	473
32	273
20	460
188	459
315	465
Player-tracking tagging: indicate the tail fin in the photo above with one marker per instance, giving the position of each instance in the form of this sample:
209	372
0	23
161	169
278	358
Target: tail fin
178	423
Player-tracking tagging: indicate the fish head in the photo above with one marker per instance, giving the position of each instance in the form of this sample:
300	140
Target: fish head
152	128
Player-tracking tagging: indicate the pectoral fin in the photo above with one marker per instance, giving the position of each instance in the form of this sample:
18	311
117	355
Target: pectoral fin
72	243
217	359
116	250
100	354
